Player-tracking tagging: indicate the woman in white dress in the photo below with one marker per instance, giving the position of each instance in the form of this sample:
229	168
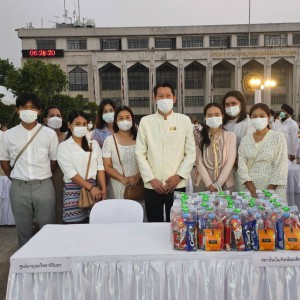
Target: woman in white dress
235	117
236	120
125	136
263	162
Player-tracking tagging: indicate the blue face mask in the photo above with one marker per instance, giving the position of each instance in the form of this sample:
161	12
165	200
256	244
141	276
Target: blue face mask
282	115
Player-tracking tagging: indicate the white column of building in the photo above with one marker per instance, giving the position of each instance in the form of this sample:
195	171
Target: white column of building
296	88
238	75
124	85
209	87
152	80
180	96
266	93
96	80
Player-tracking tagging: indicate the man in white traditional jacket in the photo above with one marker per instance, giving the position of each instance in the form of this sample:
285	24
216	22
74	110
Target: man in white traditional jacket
165	151
290	129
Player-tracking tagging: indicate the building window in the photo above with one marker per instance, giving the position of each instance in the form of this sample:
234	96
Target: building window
296	38
111	78
167	73
276	40
278	99
165	43
194	77
220	41
78	79
138	77
222	78
117	101
45	44
110	44
279	74
137	43
192	42
76	44
249	99
199	117
243	40
194	101
139	102
218	98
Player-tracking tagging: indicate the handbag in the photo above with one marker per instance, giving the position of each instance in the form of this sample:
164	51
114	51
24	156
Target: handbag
85	198
136	193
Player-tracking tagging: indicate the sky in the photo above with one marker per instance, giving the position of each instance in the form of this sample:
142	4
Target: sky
117	13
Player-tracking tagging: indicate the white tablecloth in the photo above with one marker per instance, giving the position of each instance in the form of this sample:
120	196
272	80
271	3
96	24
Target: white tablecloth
293	185
136	261
6	216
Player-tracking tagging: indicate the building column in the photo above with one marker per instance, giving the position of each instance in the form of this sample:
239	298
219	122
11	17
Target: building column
296	89
238	75
152	80
209	87
180	96
124	85
96	80
267	76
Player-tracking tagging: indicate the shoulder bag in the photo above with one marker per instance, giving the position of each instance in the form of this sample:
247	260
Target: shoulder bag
85	198
135	193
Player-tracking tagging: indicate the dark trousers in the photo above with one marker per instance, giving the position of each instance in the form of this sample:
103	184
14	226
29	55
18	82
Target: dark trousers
155	203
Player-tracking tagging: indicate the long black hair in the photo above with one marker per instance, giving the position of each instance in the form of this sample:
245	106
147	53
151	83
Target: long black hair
100	123
205	140
133	129
71	117
240	97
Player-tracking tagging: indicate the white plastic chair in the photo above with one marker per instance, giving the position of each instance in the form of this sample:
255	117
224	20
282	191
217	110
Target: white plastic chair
116	211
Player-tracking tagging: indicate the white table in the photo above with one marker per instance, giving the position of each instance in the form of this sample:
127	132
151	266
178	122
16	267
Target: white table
136	261
293	185
6	216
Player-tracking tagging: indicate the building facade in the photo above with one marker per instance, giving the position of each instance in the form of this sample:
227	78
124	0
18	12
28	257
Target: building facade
202	62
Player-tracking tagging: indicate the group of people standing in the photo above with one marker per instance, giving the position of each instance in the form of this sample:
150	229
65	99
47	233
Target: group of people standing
231	151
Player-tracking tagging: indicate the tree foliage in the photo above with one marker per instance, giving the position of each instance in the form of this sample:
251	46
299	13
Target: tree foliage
67	104
44	80
5	68
47	81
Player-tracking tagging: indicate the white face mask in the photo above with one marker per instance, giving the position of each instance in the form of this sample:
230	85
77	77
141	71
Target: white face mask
28	116
54	122
109	117
80	131
233	111
125	125
259	123
164	105
90	126
214	122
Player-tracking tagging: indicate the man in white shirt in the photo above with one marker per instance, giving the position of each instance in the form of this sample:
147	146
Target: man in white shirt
32	192
165	150
290	129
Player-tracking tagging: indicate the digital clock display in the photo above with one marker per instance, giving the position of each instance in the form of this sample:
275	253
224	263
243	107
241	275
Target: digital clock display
43	53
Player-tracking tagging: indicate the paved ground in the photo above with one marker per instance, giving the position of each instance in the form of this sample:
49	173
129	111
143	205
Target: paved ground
8	245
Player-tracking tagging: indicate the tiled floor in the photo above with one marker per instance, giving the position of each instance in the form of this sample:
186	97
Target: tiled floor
8	245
